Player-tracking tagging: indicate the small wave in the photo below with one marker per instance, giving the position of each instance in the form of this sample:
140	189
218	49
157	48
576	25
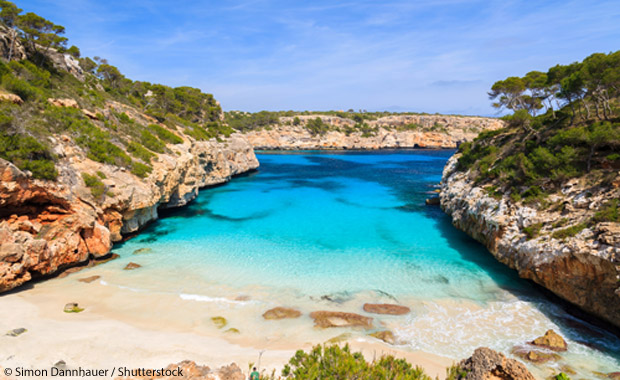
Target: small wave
201	298
105	283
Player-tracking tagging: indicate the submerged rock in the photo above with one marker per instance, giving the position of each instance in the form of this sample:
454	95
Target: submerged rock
325	319
141	251
386	336
73	307
386	308
233	330
132	266
432	201
281	313
486	364
339	338
552	341
16	332
90	279
535	355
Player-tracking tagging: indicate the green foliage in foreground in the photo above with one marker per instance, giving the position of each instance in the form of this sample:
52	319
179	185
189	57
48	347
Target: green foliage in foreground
334	362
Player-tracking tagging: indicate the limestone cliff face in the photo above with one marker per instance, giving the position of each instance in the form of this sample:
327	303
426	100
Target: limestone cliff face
583	269
431	131
48	225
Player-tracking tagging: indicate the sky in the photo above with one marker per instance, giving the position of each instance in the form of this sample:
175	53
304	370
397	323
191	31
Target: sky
422	56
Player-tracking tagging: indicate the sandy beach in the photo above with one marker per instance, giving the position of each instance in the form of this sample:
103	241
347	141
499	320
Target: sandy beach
96	338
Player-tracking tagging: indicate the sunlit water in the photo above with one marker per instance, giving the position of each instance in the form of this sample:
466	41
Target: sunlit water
319	231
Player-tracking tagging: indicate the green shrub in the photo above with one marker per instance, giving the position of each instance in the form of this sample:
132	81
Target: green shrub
140	169
19	87
165	134
532	231
316	126
101	174
561	376
140	152
151	142
97	188
27	153
608	212
334	362
569	232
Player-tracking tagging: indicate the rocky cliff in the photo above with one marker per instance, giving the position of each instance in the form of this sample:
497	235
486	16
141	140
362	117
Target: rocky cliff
46	226
581	265
394	131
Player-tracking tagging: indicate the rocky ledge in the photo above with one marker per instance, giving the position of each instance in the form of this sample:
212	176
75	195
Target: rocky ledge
583	269
46	226
396	131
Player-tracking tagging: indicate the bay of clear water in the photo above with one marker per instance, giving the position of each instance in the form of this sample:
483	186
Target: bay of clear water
332	230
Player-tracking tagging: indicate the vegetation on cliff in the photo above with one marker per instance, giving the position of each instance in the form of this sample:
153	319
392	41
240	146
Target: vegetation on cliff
577	136
108	134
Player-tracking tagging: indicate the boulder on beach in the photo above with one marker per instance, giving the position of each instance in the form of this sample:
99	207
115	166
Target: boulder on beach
16	332
386	308
325	319
552	341
72	307
488	364
281	313
219	322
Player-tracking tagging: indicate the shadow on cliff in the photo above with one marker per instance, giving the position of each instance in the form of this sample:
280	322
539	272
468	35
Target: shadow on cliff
572	322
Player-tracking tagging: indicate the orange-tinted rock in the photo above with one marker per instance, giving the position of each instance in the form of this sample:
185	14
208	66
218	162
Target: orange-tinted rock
325	319
98	240
488	364
385	308
281	313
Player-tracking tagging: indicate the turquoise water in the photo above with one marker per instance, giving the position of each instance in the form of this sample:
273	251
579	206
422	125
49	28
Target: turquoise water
329	229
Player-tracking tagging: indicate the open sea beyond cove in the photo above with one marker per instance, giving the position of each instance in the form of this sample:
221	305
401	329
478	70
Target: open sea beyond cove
332	231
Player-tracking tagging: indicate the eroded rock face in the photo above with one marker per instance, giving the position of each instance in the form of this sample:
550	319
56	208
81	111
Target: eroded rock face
486	364
46	226
325	319
583	269
435	131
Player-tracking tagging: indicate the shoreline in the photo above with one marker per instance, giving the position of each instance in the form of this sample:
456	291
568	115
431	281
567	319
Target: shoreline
96	338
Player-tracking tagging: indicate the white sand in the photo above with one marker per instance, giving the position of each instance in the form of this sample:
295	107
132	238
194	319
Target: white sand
97	338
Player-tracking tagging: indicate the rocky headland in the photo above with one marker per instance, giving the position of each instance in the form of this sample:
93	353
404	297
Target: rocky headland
387	132
567	240
46	226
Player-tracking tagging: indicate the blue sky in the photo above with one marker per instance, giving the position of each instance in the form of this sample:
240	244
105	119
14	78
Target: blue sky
427	56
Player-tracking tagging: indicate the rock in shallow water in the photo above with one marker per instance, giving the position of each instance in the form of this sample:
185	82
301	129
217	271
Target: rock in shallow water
281	313
385	308
325	319
90	279
386	336
132	266
552	341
